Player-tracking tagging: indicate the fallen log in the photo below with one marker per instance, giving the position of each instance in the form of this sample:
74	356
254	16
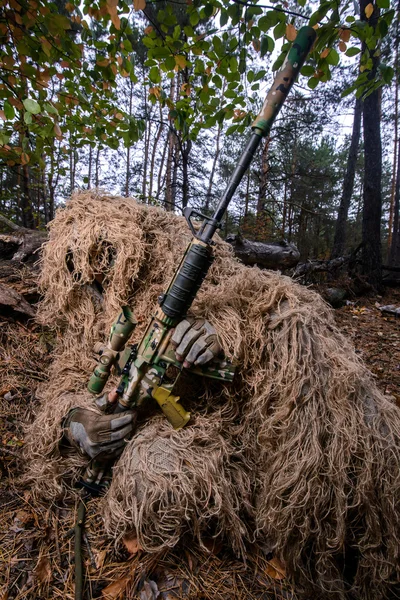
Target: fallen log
391	309
23	244
271	255
11	301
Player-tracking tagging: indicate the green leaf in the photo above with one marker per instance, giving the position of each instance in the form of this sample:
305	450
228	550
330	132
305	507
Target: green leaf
250	76
9	110
260	75
279	30
170	63
383	3
231	129
312	83
233	63
50	108
223	19
160	52
264	23
307	70
31	106
154	75
333	58
194	18
348	91
267	45
28	118
352	51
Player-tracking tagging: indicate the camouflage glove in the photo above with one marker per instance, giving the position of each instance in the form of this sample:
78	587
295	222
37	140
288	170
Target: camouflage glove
196	342
98	436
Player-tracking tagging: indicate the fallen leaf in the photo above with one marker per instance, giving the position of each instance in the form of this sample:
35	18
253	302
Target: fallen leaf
23	516
43	570
275	569
131	543
100	558
115	589
149	591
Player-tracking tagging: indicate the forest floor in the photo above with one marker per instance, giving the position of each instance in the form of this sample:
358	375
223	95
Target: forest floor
376	337
36	556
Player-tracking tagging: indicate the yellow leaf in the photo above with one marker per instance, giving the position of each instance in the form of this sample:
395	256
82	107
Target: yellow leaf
115	589
104	136
25	158
342	47
124	73
116	21
344	35
156	91
180	61
70	7
103	62
2	115
325	53
57	131
139	4
291	32
119	116
369	9
131	543
148	30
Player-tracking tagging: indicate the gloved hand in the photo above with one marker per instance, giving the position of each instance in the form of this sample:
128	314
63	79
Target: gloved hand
96	435
195	341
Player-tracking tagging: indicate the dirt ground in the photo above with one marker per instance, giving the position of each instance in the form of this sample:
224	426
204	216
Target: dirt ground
36	556
376	337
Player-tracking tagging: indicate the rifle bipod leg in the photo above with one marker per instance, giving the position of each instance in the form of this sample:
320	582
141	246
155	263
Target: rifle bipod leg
79	524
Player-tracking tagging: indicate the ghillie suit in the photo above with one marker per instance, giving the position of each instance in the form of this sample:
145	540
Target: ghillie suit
300	453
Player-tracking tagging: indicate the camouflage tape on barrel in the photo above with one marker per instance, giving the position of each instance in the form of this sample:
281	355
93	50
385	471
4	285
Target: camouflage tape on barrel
284	80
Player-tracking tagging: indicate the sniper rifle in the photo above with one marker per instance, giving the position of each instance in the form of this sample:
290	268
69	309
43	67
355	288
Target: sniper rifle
150	369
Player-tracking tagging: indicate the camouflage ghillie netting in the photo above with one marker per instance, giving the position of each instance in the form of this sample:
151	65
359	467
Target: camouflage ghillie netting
301	452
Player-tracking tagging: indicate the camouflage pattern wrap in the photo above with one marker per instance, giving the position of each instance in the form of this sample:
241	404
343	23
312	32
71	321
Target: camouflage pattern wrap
151	369
121	330
284	80
155	370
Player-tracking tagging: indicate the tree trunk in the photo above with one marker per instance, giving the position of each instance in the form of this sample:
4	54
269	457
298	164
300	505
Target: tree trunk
128	150
394	256
185	151
154	152
261	221
213	169
348	184
89	185
97	164
169	195
371	258
395	174
28	219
